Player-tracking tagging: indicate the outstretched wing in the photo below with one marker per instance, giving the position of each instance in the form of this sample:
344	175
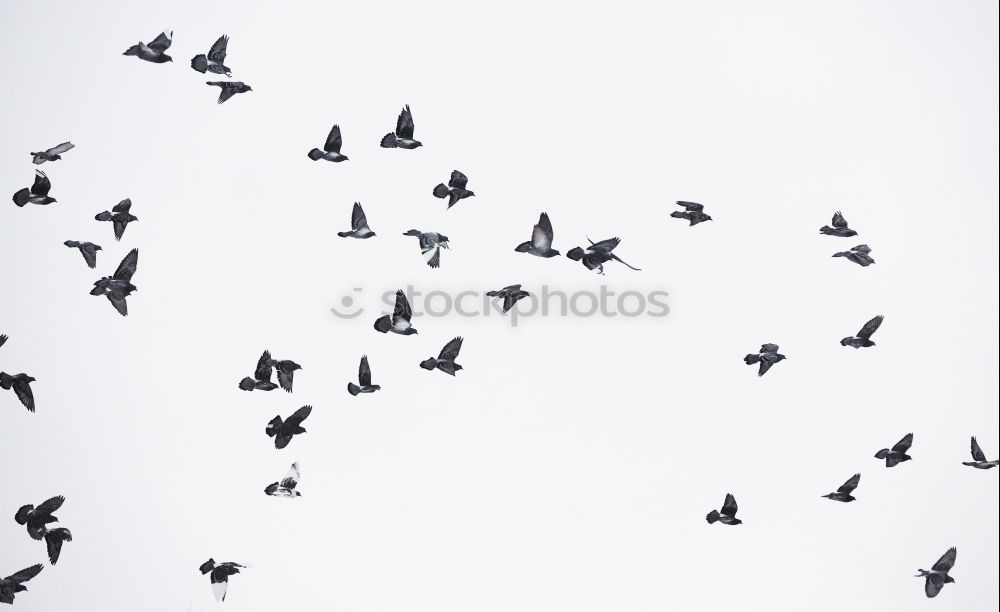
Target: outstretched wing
977	453
60	148
117	300
358	219
123	206
541	235
458	180
839	221
50	505
870	327
218	51
41	185
404	124
946	562
162	42
769	348
127	267
24	575
605	245
903	445
862	248
402	308
298	416
729	507
850	485
933	585
263	371
22	389
364	372
292	477
691	206
334	140
450	350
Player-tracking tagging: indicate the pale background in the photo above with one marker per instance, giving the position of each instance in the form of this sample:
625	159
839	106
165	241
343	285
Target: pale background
570	466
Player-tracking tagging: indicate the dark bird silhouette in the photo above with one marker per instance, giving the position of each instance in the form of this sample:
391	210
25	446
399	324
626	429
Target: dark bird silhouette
215	60
286	370
3	339
843	494
155	51
21	384
938	576
119	216
53	154
399	322
446	358
359	224
119	286
839	227
37	521
455	189
510	295
14	583
38	193
283	431
261	380
87	249
403	137
364	379
220	573
897	454
864	337
431	244
767	357
859	255
229	89
597	254
286	486
693	212
979	458
540	244
331	150
727	516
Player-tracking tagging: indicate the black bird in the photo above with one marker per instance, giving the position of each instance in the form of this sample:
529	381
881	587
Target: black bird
430	242
455	189
286	370
119	286
215	61
3	339
399	322
446	358
87	249
510	294
364	379
155	51
38	193
693	212
37	520
14	583
21	384
331	150
767	357
53	154
220	575
229	89
286	486
897	454
843	494
938	576
864	337
859	255
597	254
283	431
979	458
261	380
403	138
839	227
359	224
727	516
119	216
540	244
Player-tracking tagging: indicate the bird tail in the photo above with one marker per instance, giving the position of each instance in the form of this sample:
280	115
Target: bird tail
441	191
104	216
429	364
826	229
72	243
200	63
53	542
383	324
345	234
315	154
751	359
273	426
22	196
353	389
22	513
712	516
133	50
841	254
621	261
388	141
679	215
248	384
576	254
524	247
882	454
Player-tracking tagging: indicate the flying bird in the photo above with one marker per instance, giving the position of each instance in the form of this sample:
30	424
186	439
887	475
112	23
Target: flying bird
540	244
938	576
446	358
21	384
119	286
399	322
597	254
693	212
859	255
283	431
37	520
38	193
229	89
286	370
119	216
455	189
261	380
286	486
220	575
403	137
430	242
510	295
155	51
843	494
767	357
215	60
979	458
87	249
364	379
727	516
15	583
897	454
839	227
864	337
331	150
53	154
359	224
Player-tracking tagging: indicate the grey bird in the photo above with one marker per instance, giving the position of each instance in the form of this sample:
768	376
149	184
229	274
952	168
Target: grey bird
119	216
21	384
37	520
727	516
215	60
331	150
286	371
598	254
119	286
359	224
431	244
286	486
284	430
364	379
14	583
455	189
261	380
53	154
843	494
979	458
155	51
446	358
399	321
897	454
87	249
403	137
859	255
510	295
220	573
839	227
693	212
540	244
937	577
864	337
767	357
38	193
229	89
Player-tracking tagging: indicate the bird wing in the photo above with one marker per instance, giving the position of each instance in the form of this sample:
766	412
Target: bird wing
605	245
903	445
946	562
162	42
117	300
219	588
334	140
933	584
24	575
119	225
458	180
89	255
838	220
298	416
364	372
50	505
226	93
691	206
862	248
218	51
127	267
123	206
22	389
41	185
292	477
263	371
769	348
285	379
3	338
60	148
977	453
729	507
541	234
450	350
404	124
511	288
402	309
850	485
358	219
765	365
870	327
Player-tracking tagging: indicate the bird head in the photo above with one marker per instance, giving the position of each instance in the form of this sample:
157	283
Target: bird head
472	194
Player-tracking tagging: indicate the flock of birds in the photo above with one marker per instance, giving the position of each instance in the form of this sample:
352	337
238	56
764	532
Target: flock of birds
118	287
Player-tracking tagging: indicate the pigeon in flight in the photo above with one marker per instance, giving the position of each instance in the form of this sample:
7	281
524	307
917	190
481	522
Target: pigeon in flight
446	358
359	224
767	357
364	379
727	516
14	583
220	575
859	255
540	244
283	431
119	286
331	150
455	189
938	576
37	520
597	254
119	216
261	380
897	454
399	322
38	193
286	370
155	51
864	337
53	154
403	138
20	383
839	227
215	61
510	294
843	494
286	486
979	458
693	212
229	89
87	249
430	242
